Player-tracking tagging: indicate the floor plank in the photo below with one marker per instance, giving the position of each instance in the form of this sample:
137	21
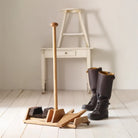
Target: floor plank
98	128
125	117
8	100
67	102
17	122
66	133
41	131
4	94
32	130
122	120
130	100
83	130
10	110
117	128
48	131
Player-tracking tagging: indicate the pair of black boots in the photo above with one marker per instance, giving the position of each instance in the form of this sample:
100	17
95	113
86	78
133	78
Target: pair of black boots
101	87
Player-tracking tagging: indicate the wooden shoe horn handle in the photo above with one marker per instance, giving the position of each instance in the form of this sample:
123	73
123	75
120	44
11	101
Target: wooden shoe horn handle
54	25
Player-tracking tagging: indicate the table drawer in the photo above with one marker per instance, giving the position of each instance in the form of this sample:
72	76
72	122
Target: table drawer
66	53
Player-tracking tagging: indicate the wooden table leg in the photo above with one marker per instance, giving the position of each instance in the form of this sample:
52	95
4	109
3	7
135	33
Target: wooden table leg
43	72
88	66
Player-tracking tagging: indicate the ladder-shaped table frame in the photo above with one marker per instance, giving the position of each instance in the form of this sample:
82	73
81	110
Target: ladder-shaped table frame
83	33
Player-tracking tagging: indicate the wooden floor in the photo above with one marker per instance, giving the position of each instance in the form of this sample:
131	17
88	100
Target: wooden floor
122	123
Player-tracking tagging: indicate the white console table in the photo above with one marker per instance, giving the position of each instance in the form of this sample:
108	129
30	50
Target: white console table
63	53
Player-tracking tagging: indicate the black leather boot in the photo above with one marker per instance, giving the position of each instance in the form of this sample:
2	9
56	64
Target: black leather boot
92	75
104	89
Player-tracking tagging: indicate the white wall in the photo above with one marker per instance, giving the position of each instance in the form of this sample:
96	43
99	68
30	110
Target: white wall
0	44
112	28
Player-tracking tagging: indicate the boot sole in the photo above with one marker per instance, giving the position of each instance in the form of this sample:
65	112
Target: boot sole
97	118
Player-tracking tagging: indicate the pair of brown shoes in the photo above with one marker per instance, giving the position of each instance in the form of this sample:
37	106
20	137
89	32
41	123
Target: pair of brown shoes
38	112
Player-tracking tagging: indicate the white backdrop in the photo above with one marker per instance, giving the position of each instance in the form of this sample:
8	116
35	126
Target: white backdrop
112	27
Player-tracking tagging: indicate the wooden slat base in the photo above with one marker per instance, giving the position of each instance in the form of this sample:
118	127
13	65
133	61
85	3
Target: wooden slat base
69	117
78	121
69	120
38	121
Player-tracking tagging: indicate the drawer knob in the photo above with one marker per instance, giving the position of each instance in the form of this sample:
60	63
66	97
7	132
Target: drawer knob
66	52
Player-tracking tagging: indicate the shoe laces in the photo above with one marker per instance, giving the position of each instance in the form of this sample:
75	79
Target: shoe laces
100	105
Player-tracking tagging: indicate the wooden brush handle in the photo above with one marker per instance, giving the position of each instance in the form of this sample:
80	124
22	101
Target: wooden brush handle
54	65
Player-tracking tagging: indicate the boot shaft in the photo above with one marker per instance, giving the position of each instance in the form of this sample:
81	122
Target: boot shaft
104	84
93	75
